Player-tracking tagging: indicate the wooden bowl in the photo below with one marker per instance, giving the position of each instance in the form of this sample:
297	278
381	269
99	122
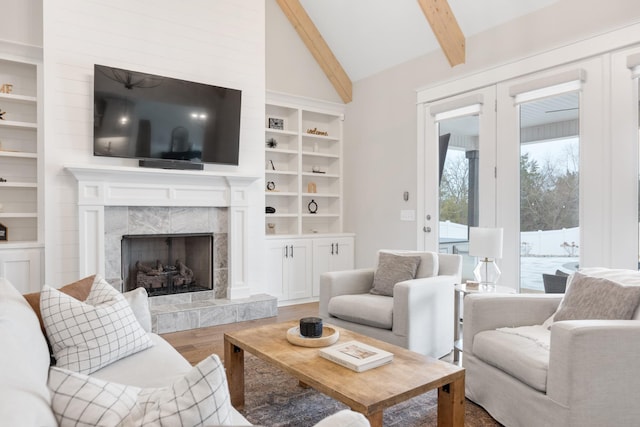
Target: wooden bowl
329	336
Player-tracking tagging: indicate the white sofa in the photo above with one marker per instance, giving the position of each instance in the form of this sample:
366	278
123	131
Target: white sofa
419	315
577	373
25	399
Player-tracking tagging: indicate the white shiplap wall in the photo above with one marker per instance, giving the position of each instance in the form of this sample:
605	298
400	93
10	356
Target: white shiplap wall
218	42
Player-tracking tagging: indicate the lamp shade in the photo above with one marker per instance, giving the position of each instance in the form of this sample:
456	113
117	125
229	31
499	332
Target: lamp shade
485	242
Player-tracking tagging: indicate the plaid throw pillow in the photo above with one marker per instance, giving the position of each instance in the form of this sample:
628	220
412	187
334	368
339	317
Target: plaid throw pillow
86	336
201	397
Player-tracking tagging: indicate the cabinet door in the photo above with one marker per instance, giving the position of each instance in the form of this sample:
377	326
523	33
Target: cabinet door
331	254
299	269
276	269
22	269
342	258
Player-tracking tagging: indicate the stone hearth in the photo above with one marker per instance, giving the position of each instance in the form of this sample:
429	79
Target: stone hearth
180	312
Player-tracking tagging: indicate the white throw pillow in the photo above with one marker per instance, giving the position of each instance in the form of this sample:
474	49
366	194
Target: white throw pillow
85	336
138	299
201	397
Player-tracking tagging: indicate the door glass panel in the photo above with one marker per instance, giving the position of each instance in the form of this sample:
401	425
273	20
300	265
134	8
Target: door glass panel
549	205
458	204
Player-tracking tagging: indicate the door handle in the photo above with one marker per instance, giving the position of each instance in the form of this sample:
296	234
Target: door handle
337	250
332	249
286	251
426	229
291	251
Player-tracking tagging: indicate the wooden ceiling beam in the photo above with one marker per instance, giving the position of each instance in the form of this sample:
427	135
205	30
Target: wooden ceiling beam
446	29
312	38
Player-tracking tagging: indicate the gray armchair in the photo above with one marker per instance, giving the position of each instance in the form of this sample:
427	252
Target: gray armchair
419	315
582	373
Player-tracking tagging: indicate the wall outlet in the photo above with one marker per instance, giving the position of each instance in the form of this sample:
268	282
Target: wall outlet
408	215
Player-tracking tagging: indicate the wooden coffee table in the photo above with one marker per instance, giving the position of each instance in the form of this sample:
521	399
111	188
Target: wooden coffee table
370	392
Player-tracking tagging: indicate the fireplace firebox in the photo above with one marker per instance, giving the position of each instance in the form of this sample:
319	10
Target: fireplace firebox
168	263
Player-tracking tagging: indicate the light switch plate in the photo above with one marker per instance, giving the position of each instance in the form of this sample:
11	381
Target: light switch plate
408	215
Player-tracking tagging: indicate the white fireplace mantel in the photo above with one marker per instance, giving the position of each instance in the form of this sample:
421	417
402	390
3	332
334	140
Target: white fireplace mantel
100	186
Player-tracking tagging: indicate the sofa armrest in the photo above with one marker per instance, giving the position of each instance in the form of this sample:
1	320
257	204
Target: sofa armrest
595	356
484	312
346	282
423	312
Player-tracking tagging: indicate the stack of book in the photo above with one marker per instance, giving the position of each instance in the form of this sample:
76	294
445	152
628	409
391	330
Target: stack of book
356	355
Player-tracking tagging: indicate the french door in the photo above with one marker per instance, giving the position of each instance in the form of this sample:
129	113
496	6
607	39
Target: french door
507	131
552	173
458	179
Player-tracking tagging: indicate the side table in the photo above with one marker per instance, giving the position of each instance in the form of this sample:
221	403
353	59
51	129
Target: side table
457	324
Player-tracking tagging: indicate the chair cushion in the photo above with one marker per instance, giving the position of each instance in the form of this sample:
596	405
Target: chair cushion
393	269
516	355
365	309
597	298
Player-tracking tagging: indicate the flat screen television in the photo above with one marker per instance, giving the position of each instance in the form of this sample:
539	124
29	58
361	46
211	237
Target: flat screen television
165	121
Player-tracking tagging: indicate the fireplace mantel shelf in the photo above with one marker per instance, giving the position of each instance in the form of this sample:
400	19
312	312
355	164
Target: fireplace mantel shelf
158	176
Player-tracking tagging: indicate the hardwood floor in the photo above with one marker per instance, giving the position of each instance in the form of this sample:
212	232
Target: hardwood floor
196	344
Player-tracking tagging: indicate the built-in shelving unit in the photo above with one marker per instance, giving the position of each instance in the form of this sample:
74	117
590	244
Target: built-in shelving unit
307	154
19	158
21	182
303	164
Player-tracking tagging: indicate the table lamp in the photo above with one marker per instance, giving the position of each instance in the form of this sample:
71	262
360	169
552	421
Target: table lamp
486	243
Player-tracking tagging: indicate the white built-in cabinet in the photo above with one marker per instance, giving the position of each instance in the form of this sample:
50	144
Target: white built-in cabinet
294	264
289	268
22	267
331	254
303	184
21	195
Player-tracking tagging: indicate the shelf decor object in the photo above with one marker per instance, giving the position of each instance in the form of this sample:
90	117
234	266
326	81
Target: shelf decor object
312	187
486	243
276	123
315	131
271	228
312	206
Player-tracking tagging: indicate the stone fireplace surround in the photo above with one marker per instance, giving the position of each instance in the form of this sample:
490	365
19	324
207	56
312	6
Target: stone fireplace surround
154	220
113	201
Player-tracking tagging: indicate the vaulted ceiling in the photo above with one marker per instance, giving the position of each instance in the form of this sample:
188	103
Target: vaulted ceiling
354	39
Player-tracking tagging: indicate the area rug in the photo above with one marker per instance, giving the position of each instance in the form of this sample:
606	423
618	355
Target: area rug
273	398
